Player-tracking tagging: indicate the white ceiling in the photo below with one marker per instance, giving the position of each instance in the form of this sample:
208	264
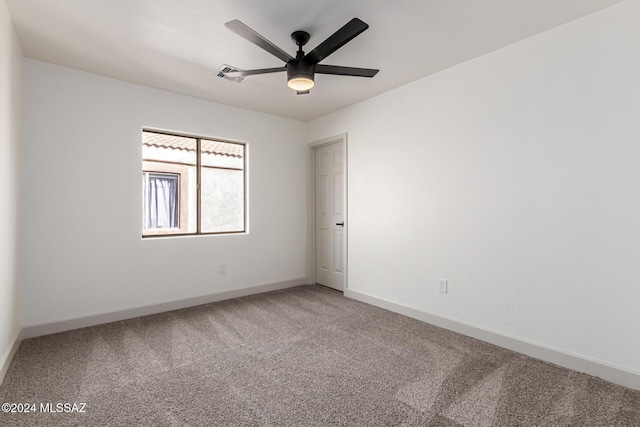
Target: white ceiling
178	45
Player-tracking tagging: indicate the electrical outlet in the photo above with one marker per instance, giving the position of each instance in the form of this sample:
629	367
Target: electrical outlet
222	269
443	287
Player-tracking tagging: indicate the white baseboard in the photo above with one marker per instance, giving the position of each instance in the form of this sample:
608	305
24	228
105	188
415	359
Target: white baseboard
576	362
7	357
39	329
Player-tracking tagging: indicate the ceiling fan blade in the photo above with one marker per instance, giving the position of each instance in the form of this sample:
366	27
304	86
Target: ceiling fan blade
336	40
302	92
241	73
243	31
345	71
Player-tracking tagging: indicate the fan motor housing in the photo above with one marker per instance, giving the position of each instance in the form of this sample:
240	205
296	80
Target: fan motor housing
299	69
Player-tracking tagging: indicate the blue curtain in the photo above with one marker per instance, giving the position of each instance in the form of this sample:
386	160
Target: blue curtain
162	201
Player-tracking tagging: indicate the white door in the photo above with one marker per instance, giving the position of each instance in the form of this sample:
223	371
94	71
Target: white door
330	235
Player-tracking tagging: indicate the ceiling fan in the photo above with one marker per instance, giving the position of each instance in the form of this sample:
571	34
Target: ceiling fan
301	69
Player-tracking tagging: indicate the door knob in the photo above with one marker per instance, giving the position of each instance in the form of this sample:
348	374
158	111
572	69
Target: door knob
340	223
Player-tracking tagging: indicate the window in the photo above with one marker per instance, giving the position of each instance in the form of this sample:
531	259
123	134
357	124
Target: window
162	200
192	185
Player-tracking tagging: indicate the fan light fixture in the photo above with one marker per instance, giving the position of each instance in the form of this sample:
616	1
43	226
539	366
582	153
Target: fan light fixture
300	83
299	71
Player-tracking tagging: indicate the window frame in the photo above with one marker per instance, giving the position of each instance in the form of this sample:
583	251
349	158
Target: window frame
149	233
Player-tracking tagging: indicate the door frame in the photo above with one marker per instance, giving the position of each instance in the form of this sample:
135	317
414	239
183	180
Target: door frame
311	217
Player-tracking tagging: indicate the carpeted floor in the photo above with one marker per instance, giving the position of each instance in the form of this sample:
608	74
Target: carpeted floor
305	356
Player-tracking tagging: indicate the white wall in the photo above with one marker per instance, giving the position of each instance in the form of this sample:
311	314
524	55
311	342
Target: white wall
10	96
81	251
516	176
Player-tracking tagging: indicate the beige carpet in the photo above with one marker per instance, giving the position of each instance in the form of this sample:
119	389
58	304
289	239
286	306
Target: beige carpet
300	357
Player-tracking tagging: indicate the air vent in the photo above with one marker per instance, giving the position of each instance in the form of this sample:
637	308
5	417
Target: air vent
222	73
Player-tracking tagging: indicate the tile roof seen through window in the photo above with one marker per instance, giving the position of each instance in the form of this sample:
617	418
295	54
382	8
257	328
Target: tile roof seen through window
160	140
